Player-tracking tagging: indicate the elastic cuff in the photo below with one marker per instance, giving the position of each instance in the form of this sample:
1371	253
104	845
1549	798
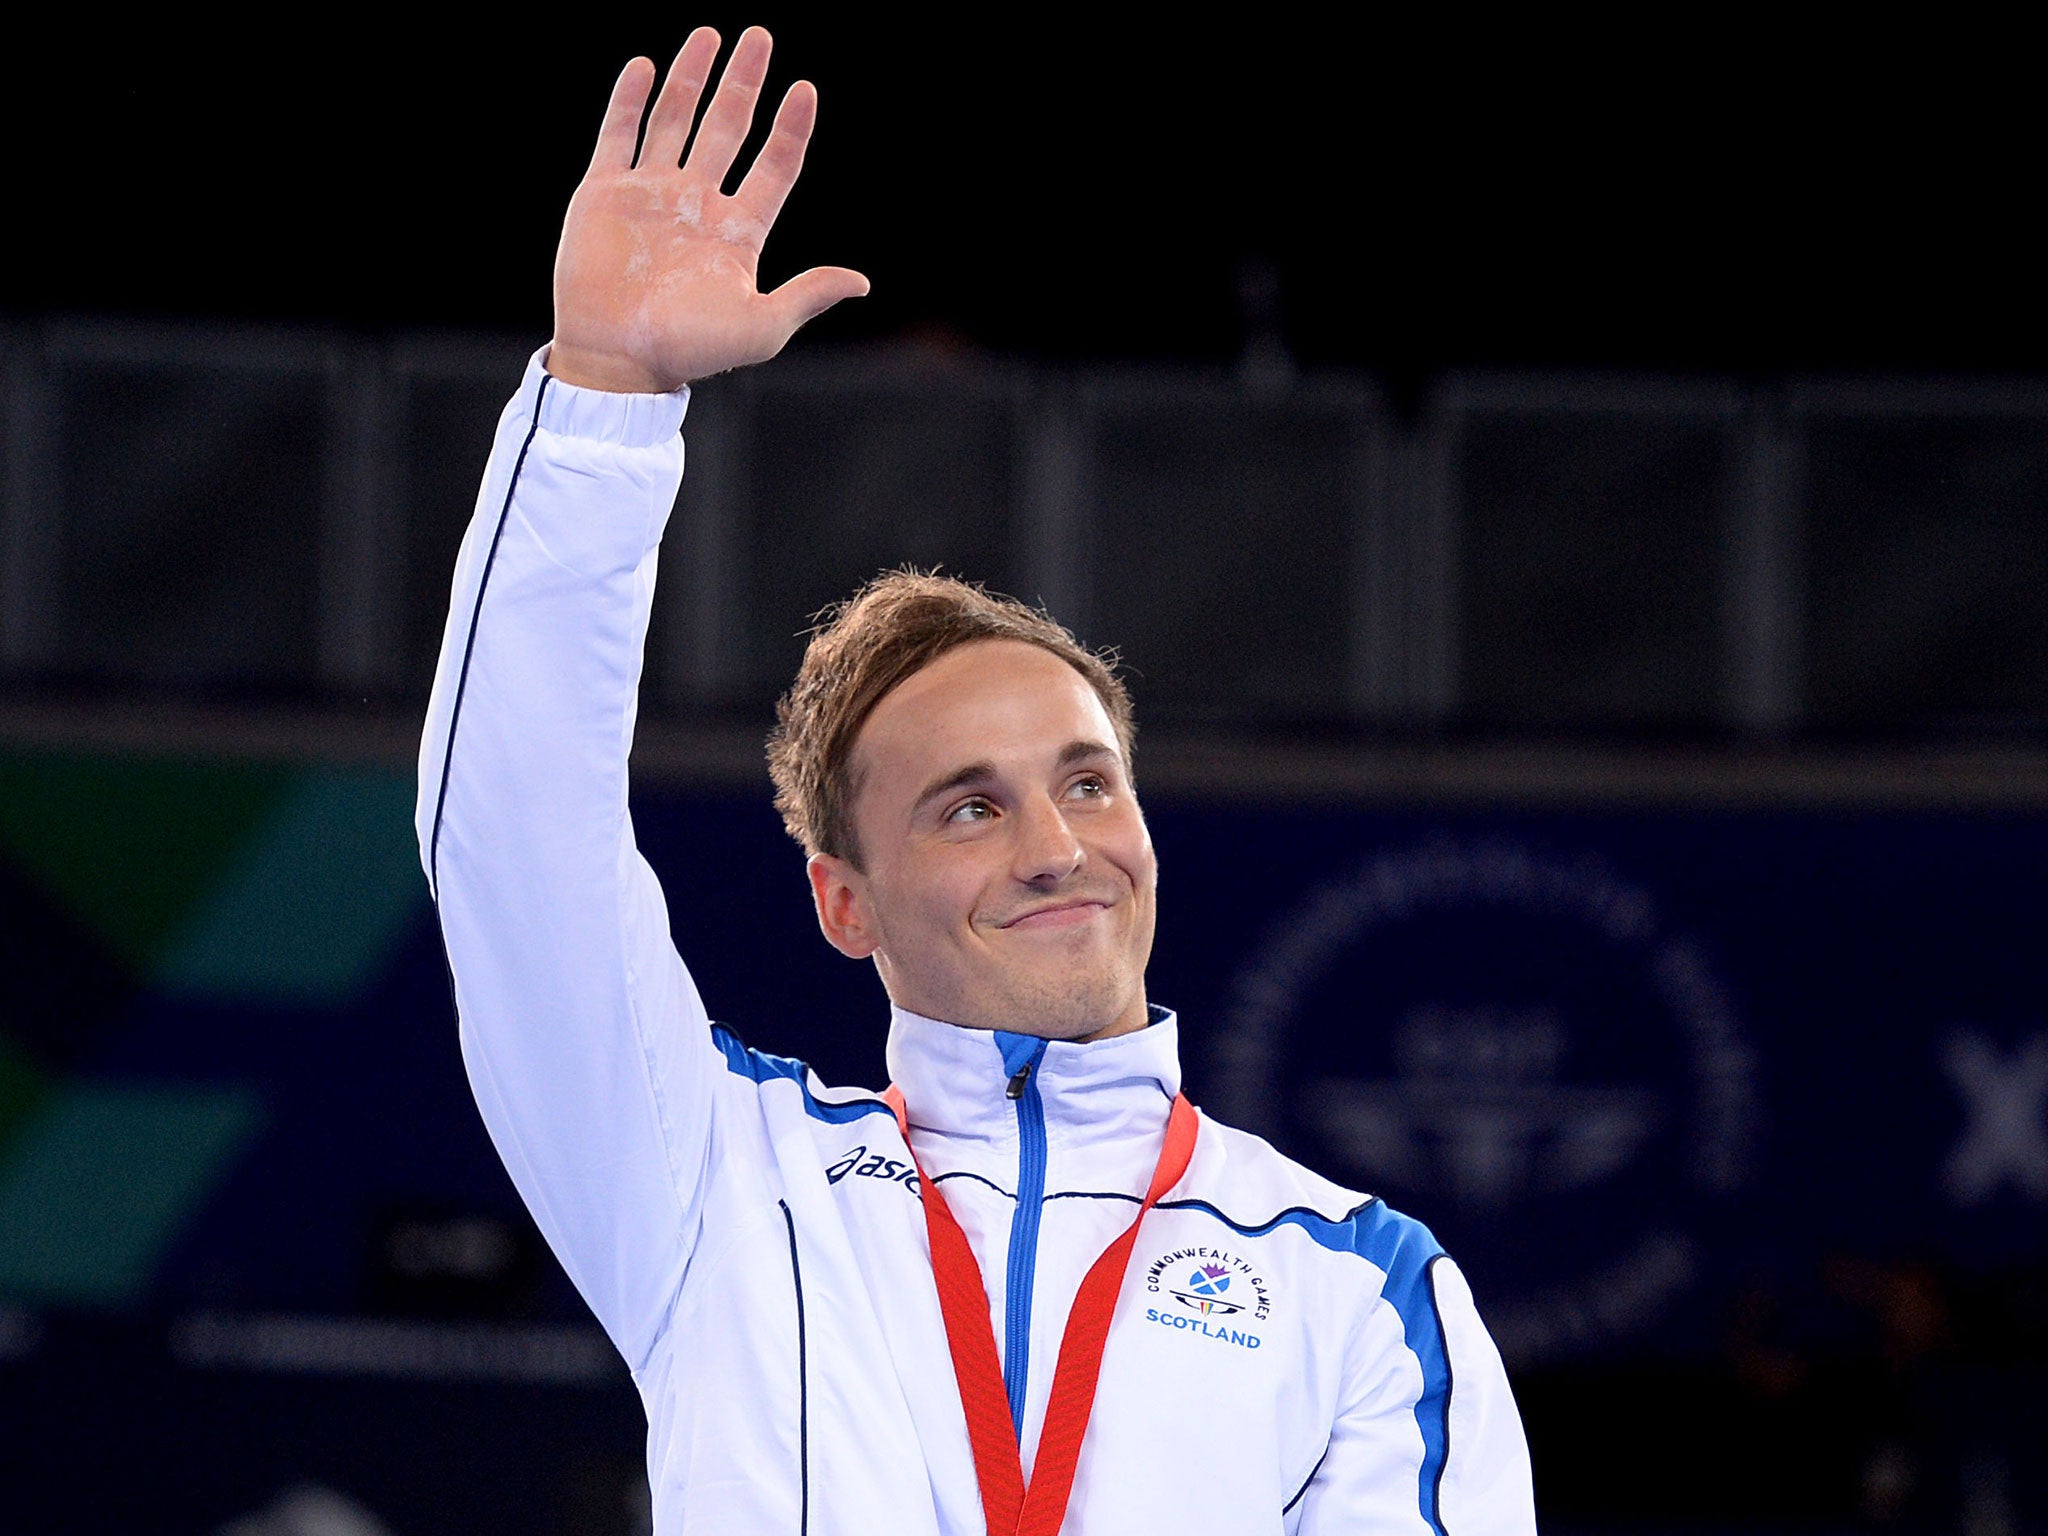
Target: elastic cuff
632	421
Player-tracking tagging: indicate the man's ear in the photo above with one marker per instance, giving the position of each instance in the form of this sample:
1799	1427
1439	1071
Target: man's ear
846	915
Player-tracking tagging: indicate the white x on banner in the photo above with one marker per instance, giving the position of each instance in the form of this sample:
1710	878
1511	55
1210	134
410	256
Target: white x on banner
2007	1100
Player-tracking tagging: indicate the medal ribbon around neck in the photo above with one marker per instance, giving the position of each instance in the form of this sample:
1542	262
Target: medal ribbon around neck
1011	1509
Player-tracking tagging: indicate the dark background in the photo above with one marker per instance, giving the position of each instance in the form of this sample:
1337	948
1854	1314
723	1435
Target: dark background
1697	192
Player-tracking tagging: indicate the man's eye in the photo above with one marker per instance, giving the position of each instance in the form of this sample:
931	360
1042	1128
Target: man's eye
971	810
1088	786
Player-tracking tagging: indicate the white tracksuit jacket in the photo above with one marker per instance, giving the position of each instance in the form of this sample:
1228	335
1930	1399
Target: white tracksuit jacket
1286	1355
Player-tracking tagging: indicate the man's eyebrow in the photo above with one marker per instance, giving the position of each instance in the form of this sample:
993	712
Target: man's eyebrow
980	773
959	778
1081	751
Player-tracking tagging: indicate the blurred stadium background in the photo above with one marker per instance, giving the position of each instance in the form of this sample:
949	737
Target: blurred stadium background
1582	558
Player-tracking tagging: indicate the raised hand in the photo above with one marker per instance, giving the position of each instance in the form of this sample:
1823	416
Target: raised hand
656	279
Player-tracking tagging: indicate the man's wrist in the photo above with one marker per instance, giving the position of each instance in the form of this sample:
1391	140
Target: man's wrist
603	371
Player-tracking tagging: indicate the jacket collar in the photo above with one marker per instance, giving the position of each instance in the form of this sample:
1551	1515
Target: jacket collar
955	1083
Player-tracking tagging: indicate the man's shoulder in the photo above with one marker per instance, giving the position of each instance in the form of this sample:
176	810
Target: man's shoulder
1256	1190
794	1078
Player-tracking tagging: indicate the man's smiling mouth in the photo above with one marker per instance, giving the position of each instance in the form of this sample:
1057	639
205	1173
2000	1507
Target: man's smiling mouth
1064	914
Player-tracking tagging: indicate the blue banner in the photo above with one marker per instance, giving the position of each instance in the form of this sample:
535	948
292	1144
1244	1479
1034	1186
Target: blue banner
1670	1084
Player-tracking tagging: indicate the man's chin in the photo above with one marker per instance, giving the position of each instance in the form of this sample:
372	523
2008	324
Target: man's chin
1055	1004
1080	1016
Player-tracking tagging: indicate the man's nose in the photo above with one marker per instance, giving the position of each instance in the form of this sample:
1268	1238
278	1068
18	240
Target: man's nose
1047	850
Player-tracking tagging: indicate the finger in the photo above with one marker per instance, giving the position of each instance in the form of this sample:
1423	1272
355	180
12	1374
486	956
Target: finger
668	126
621	130
775	169
731	112
809	294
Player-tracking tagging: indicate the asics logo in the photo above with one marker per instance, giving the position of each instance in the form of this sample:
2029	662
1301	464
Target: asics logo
861	1164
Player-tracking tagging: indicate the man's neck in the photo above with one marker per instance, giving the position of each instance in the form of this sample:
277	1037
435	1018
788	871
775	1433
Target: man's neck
1135	1017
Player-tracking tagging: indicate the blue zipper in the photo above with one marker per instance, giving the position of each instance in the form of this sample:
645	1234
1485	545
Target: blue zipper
1021	1055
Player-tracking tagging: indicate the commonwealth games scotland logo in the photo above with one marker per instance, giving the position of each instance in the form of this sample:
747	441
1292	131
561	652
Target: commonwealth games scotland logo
1218	1295
1205	1285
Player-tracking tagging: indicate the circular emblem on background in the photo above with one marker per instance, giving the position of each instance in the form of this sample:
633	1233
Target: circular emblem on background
1516	1048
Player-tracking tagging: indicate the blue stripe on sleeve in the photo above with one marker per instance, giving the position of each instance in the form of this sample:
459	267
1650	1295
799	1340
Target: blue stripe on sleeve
762	1067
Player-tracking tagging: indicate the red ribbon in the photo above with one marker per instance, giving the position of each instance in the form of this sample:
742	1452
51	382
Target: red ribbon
1010	1508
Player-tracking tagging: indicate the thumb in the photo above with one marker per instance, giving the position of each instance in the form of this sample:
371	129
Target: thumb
809	294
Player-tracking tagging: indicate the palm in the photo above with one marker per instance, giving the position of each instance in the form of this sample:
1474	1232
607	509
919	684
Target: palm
656	279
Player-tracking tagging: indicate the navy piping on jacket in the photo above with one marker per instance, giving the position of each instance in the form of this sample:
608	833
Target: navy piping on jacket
1058	1194
1312	1471
803	1378
469	647
1438	1499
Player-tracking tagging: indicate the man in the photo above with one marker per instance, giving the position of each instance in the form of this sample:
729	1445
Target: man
1028	1285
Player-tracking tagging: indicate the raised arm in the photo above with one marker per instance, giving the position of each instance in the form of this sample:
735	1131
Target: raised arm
582	1032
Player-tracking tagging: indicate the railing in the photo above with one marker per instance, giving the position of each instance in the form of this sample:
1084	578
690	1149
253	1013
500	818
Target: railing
274	512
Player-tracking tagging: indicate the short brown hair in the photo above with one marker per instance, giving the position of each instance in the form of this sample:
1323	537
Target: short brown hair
894	625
